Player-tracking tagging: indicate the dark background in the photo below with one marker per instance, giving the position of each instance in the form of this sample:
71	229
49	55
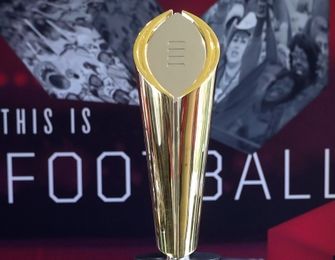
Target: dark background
118	128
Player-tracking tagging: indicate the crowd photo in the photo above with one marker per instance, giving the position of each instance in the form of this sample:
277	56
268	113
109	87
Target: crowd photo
78	50
274	61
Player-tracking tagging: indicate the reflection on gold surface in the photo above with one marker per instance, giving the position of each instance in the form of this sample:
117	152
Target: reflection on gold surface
176	56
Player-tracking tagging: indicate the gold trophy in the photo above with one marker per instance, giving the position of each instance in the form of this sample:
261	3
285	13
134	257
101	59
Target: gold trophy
176	55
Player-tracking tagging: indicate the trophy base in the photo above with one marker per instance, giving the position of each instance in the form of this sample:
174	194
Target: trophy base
194	256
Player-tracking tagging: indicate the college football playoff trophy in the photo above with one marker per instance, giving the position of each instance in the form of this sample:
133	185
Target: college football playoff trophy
176	55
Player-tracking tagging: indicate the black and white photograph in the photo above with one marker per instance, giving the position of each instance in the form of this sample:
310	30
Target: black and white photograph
73	50
274	62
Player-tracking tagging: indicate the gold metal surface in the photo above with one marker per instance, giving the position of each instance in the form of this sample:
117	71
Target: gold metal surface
176	101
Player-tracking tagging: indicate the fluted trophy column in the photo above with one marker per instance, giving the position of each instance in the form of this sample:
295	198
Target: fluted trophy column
176	55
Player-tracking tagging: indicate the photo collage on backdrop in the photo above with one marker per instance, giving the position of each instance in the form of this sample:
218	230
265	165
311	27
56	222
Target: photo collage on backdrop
73	50
274	56
274	61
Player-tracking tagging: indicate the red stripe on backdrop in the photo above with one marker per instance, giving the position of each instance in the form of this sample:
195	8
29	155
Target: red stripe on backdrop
21	79
3	79
307	237
13	71
9	61
195	7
